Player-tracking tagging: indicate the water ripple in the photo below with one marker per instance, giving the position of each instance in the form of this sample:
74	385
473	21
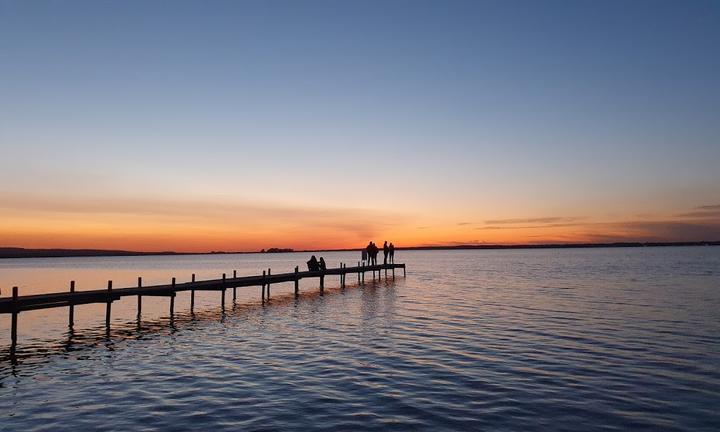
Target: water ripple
517	340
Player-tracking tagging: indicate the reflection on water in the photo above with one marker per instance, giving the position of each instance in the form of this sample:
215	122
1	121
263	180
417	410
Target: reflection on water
551	339
36	350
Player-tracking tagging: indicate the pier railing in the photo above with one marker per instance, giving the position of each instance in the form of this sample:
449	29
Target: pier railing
16	304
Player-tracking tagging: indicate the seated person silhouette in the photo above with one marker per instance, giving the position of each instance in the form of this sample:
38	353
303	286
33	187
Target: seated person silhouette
322	265
313	264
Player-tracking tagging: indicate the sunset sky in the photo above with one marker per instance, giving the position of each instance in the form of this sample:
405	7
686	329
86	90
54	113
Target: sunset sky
213	125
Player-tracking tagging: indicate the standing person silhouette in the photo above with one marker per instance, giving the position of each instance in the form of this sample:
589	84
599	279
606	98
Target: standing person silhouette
386	250
373	253
392	253
368	252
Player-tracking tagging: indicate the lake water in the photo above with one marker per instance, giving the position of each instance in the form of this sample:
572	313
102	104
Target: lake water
566	339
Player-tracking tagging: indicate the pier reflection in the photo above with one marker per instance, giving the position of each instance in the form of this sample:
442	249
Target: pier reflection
33	352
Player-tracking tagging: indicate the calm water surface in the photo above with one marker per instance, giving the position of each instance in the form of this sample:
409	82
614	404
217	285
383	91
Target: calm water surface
470	340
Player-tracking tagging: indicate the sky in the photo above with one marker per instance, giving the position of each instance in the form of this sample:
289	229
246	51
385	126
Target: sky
239	125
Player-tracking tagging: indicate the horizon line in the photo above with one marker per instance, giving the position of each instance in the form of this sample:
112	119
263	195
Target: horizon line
6	252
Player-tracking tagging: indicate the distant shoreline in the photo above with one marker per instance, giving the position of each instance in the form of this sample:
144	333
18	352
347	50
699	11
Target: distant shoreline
16	252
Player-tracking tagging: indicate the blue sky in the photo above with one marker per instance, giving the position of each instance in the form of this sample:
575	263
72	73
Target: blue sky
469	111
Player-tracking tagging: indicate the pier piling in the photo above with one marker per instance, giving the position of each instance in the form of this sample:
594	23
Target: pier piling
13	324
297	281
268	285
71	312
139	308
222	302
234	287
172	299
108	306
263	286
192	295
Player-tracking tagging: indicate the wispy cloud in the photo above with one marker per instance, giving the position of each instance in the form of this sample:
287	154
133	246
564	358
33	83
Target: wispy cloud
709	207
517	227
190	217
655	231
196	209
703	212
700	224
707	214
541	220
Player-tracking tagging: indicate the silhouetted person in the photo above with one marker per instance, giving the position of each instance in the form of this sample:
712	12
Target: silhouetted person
368	250
391	249
321	264
313	264
386	250
373	253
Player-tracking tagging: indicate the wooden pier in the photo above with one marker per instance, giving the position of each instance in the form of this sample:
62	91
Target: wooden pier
16	304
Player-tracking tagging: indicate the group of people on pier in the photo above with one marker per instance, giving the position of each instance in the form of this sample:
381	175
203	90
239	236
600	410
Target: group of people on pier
315	265
369	255
371	252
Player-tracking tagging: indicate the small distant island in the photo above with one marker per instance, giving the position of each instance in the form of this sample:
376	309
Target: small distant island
17	252
277	250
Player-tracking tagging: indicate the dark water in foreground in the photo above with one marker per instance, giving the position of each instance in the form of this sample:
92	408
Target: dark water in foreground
470	340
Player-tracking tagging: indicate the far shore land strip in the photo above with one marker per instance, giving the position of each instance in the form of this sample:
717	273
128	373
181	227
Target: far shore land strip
17	252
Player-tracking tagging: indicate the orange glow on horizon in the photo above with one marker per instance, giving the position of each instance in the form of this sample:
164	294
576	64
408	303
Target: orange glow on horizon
188	226
148	237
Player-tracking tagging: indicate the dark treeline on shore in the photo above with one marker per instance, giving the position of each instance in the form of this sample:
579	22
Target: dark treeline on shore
563	245
16	252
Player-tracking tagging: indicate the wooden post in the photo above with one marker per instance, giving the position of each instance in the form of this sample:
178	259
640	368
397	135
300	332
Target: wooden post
393	271
13	326
71	316
139	297
358	274
192	295
172	299
108	306
342	276
297	281
234	287
403	270
268	286
222	302
322	283
263	287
